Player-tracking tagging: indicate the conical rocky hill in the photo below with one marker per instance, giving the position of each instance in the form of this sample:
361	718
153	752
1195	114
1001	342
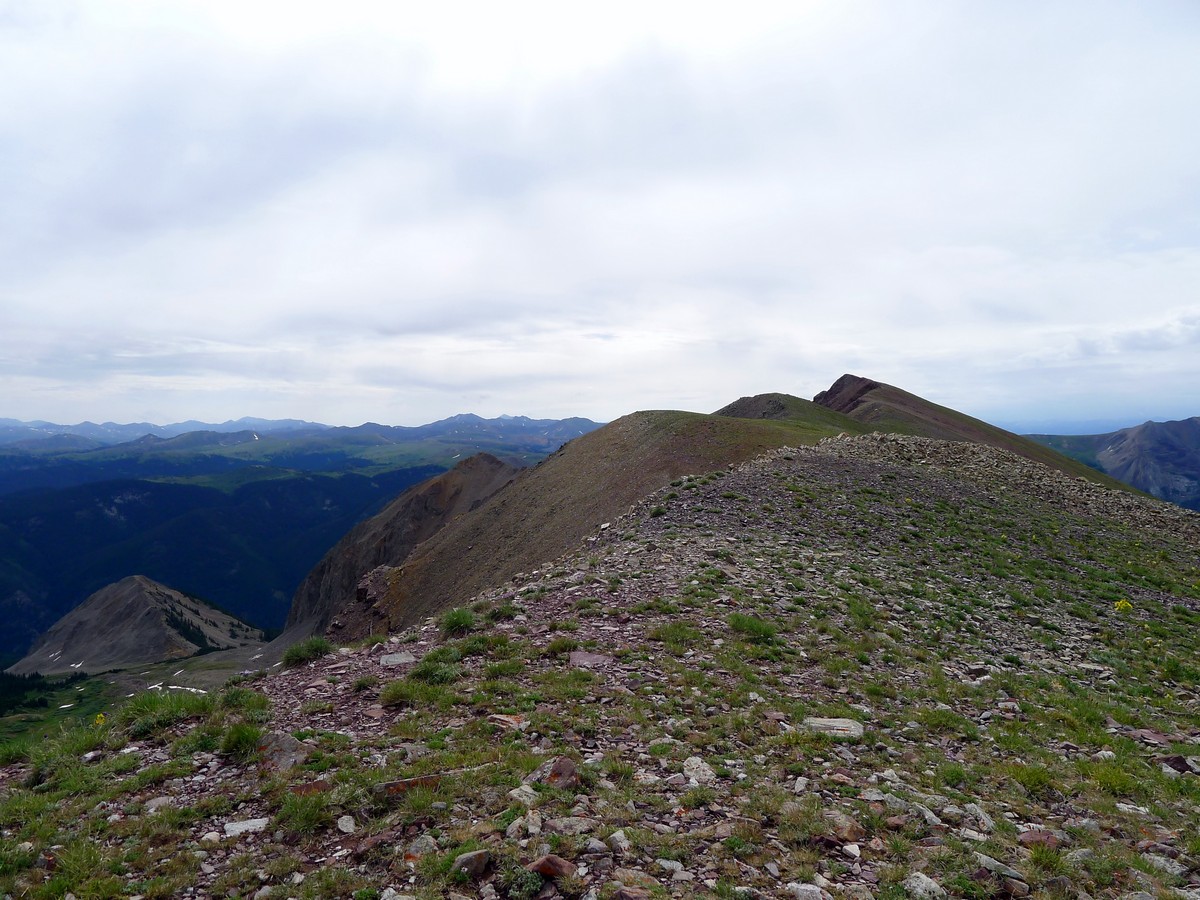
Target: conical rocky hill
881	666
884	408
133	622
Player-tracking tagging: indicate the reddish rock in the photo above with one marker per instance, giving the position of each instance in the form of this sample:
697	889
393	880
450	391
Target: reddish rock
558	773
843	827
404	785
632	893
551	866
1036	837
313	787
1015	888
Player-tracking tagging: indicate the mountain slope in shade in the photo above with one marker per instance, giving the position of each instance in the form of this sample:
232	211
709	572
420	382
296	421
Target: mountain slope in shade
133	622
390	536
889	409
1160	458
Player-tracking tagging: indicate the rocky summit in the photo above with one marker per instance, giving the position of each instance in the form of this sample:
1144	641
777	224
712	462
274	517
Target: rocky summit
880	666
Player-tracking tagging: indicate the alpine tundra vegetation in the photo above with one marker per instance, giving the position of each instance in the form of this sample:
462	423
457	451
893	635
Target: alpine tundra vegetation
879	666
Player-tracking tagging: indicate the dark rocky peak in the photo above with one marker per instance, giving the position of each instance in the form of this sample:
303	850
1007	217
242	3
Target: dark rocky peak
845	394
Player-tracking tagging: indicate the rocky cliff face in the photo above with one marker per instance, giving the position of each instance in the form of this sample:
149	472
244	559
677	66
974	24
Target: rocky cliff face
134	622
388	538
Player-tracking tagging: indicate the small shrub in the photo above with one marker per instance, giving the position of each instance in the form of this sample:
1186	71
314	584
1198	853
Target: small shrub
153	711
417	694
363	683
432	671
303	814
241	741
679	636
503	612
243	699
519	883
1037	780
457	622
698	797
15	751
306	651
561	645
752	629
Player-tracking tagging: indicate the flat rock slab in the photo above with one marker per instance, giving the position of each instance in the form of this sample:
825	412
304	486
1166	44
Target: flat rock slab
697	770
401	658
472	864
846	728
997	868
586	660
281	752
249	826
571	825
923	887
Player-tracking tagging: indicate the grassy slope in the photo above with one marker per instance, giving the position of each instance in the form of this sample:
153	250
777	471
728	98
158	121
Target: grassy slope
1080	447
555	505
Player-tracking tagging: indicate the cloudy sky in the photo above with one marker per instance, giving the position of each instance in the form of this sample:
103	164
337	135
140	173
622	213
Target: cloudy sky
392	212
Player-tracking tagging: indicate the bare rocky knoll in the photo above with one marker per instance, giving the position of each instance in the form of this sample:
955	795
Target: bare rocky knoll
881	666
134	622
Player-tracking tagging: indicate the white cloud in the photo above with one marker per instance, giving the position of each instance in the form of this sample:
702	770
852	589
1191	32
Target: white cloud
380	212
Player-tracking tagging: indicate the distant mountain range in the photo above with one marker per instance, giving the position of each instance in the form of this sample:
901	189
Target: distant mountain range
1160	458
237	517
50	434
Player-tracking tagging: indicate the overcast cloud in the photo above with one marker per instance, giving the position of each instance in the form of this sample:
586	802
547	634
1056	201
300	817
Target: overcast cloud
370	212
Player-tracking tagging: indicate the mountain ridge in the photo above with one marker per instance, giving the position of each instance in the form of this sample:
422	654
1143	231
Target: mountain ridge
570	494
886	408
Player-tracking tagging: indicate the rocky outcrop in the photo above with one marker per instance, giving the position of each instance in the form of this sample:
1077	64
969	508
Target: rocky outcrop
134	622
